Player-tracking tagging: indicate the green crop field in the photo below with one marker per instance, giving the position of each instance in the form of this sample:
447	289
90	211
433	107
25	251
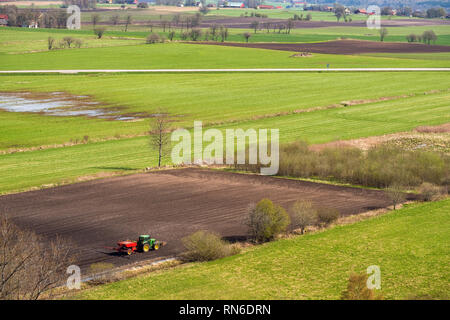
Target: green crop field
43	150
185	56
63	165
410	246
289	13
210	97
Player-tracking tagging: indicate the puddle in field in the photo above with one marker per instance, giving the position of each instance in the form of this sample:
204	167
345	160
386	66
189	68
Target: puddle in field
61	104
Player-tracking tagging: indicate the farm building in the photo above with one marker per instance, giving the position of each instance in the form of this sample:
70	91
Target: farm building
3	20
265	6
234	5
298	4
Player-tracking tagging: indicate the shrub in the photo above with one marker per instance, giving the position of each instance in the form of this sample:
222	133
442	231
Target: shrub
78	43
429	36
411	37
184	35
430	192
247	36
50	43
206	246
68	41
266	220
326	216
99	273
153	38
381	166
303	214
195	34
357	289
99	32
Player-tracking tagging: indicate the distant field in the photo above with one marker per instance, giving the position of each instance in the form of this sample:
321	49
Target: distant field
63	165
289	13
184	56
410	246
211	98
18	40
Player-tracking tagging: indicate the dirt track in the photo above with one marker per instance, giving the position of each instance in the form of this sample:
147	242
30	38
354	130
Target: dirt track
341	47
168	204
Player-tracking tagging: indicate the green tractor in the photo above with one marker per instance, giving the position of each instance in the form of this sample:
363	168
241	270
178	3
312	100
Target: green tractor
143	244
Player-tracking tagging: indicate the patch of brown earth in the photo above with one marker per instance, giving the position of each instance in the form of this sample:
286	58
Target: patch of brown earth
169	205
341	47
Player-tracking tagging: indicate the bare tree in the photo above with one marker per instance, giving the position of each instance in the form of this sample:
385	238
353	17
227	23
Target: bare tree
195	34
383	33
247	35
395	194
290	25
95	19
68	41
30	265
115	19
429	36
303	214
159	133
254	25
128	22
223	34
50	43
164	25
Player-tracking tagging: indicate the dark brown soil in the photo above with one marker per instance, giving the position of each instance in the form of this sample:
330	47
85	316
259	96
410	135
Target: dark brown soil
342	47
168	205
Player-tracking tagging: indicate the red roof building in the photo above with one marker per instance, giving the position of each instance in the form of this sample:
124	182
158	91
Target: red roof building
265	6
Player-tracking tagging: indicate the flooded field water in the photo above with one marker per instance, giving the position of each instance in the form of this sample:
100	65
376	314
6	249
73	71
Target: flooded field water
61	104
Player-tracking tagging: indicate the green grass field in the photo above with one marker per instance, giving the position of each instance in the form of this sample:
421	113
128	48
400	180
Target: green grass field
63	165
211	98
185	56
409	245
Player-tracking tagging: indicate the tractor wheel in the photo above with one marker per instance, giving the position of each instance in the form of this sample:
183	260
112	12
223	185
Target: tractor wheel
156	246
129	252
146	247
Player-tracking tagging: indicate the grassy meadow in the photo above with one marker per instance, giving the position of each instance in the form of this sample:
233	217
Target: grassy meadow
213	98
64	165
41	151
409	245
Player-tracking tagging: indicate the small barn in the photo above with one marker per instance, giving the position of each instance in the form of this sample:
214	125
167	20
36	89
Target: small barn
3	20
234	5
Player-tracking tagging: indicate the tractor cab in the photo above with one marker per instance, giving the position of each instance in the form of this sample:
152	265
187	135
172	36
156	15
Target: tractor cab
144	238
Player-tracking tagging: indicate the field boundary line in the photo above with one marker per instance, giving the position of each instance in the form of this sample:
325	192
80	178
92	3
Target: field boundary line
75	71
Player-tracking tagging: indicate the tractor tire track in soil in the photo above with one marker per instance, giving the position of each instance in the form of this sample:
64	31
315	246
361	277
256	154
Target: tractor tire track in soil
168	204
